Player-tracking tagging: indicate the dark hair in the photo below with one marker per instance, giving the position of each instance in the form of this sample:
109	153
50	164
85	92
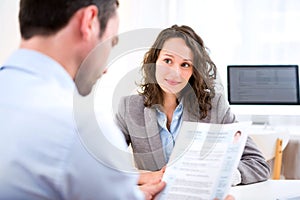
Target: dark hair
200	88
46	17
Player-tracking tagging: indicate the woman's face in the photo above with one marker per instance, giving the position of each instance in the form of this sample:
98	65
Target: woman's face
174	65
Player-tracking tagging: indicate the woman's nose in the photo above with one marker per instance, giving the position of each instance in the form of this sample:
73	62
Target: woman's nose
176	69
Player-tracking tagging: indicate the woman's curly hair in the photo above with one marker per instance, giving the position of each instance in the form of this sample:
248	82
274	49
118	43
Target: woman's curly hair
199	91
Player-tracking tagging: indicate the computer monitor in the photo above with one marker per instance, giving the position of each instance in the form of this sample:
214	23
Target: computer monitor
263	84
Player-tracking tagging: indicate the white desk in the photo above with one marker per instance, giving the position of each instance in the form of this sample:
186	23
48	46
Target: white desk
268	190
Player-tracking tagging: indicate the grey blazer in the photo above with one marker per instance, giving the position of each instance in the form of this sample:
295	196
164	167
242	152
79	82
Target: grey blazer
139	126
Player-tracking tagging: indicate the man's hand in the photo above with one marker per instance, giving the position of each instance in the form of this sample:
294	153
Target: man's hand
229	197
151	190
150	183
148	177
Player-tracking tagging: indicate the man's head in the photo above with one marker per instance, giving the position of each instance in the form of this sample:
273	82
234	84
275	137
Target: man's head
39	17
68	31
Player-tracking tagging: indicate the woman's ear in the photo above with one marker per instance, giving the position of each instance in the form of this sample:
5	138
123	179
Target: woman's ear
89	23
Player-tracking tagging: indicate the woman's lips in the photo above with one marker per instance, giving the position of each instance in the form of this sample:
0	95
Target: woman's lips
172	82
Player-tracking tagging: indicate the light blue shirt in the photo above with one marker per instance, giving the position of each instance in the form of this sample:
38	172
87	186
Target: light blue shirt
168	137
41	153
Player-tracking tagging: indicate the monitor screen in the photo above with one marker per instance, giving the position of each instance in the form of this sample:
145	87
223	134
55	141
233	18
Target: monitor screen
263	84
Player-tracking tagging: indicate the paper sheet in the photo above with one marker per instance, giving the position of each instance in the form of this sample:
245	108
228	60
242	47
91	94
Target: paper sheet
203	161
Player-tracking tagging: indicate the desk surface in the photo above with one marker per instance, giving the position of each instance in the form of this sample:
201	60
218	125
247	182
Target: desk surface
268	190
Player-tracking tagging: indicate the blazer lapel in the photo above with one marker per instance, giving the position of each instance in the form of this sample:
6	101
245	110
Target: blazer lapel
153	136
186	116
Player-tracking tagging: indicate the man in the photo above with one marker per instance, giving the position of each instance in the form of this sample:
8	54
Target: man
42	156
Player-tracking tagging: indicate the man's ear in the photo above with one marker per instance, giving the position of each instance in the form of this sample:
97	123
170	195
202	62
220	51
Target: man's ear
89	23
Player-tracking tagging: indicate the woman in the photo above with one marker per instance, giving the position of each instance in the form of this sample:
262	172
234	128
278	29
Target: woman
179	84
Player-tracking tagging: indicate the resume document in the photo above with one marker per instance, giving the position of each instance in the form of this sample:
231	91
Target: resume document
203	161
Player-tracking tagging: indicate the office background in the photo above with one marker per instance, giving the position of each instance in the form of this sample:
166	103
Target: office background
235	31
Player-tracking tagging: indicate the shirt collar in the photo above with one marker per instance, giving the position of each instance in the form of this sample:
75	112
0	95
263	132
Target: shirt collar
177	112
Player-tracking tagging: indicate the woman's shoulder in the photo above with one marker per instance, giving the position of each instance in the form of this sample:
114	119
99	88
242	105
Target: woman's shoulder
219	101
133	99
219	95
219	92
132	103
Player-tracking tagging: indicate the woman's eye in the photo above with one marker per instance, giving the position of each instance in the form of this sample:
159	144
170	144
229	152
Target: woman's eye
185	65
168	61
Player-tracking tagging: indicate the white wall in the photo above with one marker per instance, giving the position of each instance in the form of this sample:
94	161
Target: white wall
235	31
9	33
